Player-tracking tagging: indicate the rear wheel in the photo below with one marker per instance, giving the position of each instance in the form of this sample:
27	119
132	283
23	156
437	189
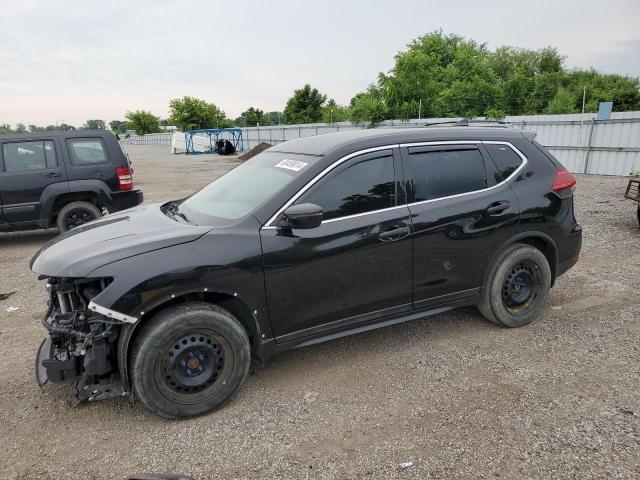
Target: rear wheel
516	287
189	359
75	214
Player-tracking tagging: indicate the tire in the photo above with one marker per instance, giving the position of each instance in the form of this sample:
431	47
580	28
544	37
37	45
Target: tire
516	286
75	214
189	359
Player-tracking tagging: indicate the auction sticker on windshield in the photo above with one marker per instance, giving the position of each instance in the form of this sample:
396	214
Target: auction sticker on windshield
294	165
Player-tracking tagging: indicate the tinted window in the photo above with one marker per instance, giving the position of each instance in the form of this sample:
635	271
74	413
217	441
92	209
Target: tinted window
26	156
505	158
362	187
87	151
447	172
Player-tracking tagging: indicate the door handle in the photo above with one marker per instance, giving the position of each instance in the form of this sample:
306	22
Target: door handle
394	234
53	175
498	208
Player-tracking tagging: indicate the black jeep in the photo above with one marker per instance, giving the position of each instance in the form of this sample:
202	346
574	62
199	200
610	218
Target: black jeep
62	179
310	240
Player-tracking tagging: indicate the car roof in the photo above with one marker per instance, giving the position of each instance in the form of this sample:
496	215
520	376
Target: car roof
372	137
55	134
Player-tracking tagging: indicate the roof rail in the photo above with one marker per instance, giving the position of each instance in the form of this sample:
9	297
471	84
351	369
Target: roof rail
466	122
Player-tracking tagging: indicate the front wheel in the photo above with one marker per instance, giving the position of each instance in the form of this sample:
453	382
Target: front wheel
189	359
516	287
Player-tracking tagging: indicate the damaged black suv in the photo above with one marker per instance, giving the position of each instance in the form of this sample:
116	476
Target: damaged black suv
311	240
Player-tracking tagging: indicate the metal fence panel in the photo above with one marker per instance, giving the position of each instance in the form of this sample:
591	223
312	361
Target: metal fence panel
582	144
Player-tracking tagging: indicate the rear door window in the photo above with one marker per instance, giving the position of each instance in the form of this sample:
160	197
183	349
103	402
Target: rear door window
28	156
87	151
438	173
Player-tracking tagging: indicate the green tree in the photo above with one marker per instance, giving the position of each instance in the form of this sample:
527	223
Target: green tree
94	125
21	128
274	118
454	76
252	117
143	122
494	114
369	108
332	112
190	113
5	129
562	102
118	126
305	106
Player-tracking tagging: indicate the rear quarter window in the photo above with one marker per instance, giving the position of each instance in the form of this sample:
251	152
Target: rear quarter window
505	158
87	151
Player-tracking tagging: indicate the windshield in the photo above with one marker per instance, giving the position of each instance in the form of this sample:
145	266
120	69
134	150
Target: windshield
246	187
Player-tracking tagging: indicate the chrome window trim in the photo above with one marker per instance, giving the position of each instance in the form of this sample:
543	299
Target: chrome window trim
315	179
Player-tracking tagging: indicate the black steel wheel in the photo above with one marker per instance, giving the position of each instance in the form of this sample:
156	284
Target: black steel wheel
516	286
75	214
521	286
189	359
192	366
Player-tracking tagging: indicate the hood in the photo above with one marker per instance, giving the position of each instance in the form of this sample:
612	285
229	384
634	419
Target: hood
78	252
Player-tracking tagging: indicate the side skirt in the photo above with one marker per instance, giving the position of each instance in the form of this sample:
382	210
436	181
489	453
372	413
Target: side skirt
265	350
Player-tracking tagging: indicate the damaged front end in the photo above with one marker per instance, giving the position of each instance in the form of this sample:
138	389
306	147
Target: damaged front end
81	347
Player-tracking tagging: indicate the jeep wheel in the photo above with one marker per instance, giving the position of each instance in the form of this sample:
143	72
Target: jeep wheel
75	214
189	359
516	287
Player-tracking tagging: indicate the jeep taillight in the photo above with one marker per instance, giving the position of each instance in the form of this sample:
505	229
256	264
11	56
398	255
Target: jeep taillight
124	178
563	181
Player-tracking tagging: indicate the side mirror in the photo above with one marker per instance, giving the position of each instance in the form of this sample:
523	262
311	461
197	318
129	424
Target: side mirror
305	215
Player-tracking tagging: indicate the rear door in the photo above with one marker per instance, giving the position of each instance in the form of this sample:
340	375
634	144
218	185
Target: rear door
462	211
28	168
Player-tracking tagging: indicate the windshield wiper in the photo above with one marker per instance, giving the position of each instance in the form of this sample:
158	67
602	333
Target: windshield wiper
174	209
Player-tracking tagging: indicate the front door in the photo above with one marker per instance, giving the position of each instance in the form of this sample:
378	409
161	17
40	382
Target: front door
28	167
354	267
462	212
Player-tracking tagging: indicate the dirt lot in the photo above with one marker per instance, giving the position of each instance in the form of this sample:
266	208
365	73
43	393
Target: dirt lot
457	396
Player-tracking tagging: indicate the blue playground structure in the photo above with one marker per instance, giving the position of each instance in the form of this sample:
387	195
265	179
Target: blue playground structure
232	135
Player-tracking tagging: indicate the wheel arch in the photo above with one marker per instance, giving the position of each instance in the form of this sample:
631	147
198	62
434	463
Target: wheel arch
538	240
239	308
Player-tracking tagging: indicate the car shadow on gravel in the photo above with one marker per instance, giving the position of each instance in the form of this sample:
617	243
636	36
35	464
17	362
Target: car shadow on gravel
27	238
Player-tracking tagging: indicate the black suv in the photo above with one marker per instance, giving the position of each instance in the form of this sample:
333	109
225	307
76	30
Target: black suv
62	179
311	240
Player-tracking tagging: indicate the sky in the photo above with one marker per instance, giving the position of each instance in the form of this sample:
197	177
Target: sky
69	61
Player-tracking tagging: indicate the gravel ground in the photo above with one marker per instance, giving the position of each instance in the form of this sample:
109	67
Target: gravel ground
454	394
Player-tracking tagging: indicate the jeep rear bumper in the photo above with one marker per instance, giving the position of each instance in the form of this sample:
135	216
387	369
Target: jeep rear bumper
125	199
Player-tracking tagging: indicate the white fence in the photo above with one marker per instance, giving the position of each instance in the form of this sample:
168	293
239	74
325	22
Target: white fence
582	144
149	139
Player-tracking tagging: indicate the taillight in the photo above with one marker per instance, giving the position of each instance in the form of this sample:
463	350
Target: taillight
124	178
563	180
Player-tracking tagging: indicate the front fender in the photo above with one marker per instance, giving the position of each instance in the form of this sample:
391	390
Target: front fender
146	282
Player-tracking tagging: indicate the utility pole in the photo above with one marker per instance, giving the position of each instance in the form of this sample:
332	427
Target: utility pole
420	110
584	97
